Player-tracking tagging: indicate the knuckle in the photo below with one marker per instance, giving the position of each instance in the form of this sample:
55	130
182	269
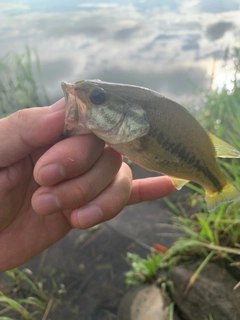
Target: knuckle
81	193
20	119
21	115
125	192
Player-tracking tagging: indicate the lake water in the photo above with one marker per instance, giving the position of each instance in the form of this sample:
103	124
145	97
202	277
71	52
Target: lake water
171	46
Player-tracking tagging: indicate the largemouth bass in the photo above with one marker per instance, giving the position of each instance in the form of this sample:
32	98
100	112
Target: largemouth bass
153	131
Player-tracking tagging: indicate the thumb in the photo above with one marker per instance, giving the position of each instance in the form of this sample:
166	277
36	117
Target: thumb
27	129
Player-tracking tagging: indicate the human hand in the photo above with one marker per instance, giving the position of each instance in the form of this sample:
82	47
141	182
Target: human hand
49	185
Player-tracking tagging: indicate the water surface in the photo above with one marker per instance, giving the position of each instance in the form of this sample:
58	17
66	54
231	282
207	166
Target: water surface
166	45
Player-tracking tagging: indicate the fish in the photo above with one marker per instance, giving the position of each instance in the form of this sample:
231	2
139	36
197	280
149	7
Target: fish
153	131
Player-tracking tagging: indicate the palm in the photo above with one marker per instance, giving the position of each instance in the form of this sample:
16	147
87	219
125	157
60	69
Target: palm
21	226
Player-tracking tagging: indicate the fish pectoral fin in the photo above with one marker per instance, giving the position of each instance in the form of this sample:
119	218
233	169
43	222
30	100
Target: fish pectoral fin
223	149
178	183
228	194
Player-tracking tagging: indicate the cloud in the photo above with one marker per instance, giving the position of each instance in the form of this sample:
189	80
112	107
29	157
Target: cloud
215	54
216	6
158	48
15	7
174	81
94	5
53	71
212	6
191	42
127	33
217	30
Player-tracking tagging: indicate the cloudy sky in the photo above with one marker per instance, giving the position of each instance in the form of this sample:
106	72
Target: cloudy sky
167	45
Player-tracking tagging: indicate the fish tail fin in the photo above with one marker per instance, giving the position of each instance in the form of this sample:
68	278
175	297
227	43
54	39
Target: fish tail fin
228	194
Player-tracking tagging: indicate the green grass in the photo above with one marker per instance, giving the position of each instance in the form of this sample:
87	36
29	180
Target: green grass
25	299
209	318
25	296
142	270
221	116
21	82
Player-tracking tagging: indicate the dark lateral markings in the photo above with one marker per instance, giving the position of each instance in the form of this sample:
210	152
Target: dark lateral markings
180	151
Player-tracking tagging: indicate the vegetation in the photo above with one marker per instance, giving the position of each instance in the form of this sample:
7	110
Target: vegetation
21	82
24	297
142	270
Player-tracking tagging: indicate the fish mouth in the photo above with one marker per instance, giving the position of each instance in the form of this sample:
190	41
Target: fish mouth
75	112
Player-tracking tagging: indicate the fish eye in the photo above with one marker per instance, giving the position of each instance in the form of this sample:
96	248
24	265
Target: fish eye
98	96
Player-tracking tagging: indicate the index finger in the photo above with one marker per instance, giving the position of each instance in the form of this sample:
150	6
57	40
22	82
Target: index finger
150	189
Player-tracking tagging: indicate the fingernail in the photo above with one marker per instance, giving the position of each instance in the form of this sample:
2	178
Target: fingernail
57	106
89	216
46	203
51	173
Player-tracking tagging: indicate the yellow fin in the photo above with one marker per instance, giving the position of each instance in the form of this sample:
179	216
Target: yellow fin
223	149
228	194
178	183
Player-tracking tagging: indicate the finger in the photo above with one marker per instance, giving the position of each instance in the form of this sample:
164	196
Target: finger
107	204
67	159
150	189
78	191
27	129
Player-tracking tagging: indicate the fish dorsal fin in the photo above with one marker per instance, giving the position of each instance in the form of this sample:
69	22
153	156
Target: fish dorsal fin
222	148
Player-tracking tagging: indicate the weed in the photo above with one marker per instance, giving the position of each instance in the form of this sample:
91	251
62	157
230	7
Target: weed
142	270
210	317
21	82
26	298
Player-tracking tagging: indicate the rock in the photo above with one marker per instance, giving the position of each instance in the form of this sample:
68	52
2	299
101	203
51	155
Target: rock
211	294
141	303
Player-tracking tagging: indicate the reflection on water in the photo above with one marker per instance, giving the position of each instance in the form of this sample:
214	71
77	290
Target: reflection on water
166	45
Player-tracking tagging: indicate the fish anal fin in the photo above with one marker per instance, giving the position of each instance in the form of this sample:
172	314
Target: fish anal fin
222	148
178	183
228	194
